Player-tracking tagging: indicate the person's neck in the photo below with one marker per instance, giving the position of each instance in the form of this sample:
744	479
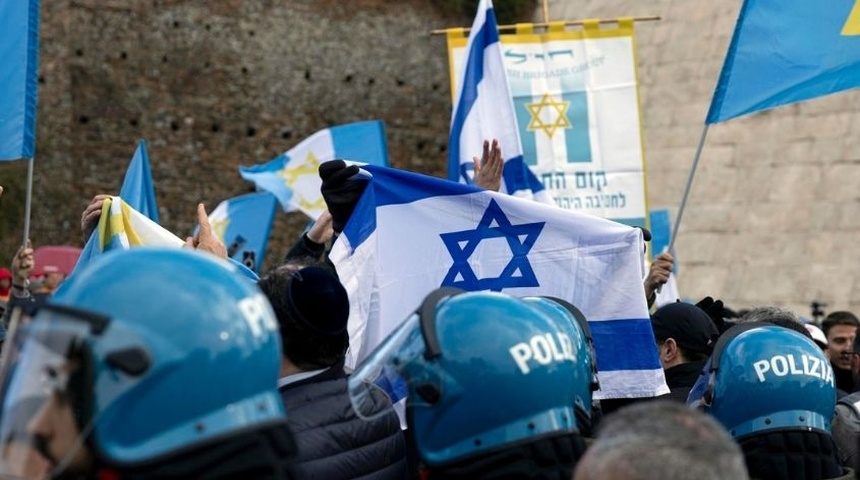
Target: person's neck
287	368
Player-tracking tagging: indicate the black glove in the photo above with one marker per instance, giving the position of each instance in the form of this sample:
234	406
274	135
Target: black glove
714	309
340	192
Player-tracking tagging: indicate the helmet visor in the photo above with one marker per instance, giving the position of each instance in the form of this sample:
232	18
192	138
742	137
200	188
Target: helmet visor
378	382
45	381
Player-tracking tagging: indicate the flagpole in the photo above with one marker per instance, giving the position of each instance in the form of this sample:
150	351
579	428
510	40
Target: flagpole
688	188
545	11
29	201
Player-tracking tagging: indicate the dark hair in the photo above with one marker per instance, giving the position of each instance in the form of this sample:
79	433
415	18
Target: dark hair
304	347
839	318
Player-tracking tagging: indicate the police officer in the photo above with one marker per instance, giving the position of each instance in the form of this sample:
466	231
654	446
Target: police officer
148	363
493	385
773	390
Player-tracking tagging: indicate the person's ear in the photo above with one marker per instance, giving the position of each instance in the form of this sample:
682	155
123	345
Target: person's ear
669	350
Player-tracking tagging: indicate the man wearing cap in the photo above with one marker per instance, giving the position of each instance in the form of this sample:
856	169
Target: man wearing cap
685	337
312	309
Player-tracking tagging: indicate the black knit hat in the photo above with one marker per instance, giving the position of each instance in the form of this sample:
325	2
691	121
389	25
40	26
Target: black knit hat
318	301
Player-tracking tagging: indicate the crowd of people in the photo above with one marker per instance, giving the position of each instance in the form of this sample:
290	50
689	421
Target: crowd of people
166	363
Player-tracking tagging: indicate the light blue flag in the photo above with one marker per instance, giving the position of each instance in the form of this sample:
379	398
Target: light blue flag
137	189
19	65
410	234
786	51
483	110
293	177
661	231
243	223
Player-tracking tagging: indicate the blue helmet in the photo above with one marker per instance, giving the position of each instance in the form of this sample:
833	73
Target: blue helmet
482	370
585	380
159	350
763	377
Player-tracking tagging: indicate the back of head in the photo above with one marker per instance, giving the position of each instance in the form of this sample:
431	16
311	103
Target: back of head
777	316
169	351
484	372
768	386
661	440
312	308
690	327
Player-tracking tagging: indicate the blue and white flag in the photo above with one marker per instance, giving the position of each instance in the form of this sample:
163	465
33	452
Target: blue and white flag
411	233
19	65
243	223
137	188
483	110
293	177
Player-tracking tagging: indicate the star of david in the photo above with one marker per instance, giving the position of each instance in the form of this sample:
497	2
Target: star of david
494	224
291	174
558	108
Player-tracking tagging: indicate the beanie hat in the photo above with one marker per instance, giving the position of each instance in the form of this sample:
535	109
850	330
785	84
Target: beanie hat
317	300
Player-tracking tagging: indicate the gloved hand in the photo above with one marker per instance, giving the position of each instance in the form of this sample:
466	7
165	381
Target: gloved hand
714	309
340	192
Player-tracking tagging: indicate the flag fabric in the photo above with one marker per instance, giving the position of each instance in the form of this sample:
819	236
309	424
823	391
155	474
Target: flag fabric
483	110
137	188
786	51
122	227
410	234
19	51
243	223
293	177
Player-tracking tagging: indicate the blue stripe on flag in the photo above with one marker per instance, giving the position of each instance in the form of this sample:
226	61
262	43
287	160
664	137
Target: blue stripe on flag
612	342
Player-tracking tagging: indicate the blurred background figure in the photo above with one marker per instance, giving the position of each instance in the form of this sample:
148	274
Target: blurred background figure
840	328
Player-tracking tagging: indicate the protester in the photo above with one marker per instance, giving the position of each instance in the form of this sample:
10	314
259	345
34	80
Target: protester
661	440
492	383
5	287
312	309
685	338
181	385
840	328
772	388
846	421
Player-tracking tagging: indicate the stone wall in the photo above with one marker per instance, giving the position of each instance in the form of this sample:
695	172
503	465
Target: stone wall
214	85
773	217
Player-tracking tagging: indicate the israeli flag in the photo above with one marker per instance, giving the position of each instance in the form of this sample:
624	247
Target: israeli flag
243	223
293	177
411	233
483	110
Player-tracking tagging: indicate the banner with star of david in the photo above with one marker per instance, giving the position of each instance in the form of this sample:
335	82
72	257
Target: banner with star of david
576	100
411	233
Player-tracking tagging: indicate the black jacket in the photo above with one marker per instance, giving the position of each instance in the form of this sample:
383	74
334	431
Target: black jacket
333	442
681	379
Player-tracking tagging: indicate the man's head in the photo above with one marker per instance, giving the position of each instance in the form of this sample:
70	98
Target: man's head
684	333
840	328
661	440
98	379
312	309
